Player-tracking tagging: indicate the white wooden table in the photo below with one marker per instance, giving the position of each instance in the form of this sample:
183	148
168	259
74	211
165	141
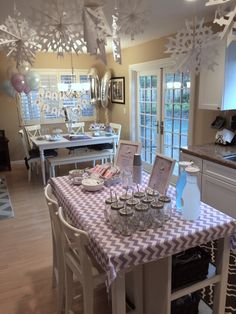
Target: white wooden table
64	142
147	253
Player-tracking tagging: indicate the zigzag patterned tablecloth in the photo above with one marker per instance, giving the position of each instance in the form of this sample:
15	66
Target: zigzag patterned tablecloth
115	252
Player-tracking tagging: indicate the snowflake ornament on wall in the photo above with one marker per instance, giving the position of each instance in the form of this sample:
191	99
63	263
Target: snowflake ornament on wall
132	18
18	39
193	47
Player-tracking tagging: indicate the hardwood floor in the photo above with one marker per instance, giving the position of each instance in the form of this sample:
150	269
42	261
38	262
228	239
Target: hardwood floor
26	252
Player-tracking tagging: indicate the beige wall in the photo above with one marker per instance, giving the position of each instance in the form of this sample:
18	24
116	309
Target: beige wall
8	108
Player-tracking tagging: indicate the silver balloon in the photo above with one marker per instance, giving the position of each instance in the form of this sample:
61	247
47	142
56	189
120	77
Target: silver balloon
105	84
94	86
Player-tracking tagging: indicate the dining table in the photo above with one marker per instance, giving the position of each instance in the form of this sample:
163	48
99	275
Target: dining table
147	255
66	141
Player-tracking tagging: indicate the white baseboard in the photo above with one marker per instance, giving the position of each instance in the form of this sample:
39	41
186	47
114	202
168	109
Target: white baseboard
17	162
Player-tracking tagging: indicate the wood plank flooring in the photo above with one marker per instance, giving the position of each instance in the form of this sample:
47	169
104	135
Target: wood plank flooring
26	252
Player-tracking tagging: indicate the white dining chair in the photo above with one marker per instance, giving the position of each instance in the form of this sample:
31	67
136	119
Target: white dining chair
76	127
58	277
80	264
32	130
31	160
117	129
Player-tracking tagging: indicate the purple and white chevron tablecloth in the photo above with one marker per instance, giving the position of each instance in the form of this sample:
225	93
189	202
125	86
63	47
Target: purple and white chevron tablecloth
115	252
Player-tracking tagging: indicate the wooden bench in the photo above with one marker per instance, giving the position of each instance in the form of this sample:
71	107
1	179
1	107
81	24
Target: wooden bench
82	156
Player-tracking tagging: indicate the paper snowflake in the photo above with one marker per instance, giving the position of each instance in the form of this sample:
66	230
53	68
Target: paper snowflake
17	38
59	27
225	16
132	18
193	47
96	30
116	37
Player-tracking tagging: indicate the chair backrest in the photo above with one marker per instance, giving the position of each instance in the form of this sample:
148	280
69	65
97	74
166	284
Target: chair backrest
24	143
32	130
76	127
74	245
53	212
117	129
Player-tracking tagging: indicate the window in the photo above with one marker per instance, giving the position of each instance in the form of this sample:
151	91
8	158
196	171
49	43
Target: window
55	94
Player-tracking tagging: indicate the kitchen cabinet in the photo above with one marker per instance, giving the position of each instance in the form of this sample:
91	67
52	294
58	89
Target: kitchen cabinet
218	184
217	88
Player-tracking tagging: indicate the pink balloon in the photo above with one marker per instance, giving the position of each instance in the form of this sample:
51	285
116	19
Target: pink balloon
18	82
27	89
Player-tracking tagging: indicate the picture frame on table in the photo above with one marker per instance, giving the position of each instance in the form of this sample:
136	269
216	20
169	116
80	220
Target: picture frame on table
125	154
118	90
161	172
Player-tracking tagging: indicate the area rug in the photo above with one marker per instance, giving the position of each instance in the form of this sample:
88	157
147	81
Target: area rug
6	210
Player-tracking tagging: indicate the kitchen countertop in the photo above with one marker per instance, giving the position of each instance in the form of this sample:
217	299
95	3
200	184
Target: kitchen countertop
213	152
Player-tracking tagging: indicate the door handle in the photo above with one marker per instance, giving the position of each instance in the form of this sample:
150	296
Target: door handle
162	128
157	126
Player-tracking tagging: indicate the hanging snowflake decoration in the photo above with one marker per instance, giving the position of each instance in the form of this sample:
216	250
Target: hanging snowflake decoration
17	38
193	47
225	16
59	27
133	17
96	30
116	37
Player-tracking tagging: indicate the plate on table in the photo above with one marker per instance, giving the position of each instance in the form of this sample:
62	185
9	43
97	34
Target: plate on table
92	184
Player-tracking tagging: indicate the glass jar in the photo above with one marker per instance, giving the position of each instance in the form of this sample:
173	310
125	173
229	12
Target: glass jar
113	213
107	209
157	214
167	208
142	217
126	223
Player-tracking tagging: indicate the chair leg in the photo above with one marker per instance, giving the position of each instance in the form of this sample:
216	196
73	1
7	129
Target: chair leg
88	296
29	173
54	265
68	290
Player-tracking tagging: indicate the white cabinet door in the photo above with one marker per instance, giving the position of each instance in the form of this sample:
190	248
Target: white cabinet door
218	194
211	83
217	88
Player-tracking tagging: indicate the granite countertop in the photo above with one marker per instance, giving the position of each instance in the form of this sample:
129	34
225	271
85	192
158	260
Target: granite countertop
213	152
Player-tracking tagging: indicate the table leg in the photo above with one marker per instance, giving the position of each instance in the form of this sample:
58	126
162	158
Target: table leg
222	266
157	286
42	158
118	295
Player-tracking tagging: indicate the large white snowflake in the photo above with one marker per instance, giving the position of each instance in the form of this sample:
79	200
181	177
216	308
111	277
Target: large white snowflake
225	16
133	17
17	38
193	47
59	27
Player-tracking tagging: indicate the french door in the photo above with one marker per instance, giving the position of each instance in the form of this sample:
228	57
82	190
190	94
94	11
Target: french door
163	106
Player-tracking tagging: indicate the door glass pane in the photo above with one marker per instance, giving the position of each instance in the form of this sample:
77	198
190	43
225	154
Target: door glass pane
148	95
176	113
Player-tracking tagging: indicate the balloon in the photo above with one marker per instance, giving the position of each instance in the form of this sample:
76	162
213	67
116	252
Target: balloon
105	83
8	88
32	80
24	68
27	89
19	82
94	85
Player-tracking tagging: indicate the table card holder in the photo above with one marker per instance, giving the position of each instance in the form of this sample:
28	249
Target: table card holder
125	154
161	172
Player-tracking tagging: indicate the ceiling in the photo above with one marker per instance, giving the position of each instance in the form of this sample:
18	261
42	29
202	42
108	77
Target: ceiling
164	17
